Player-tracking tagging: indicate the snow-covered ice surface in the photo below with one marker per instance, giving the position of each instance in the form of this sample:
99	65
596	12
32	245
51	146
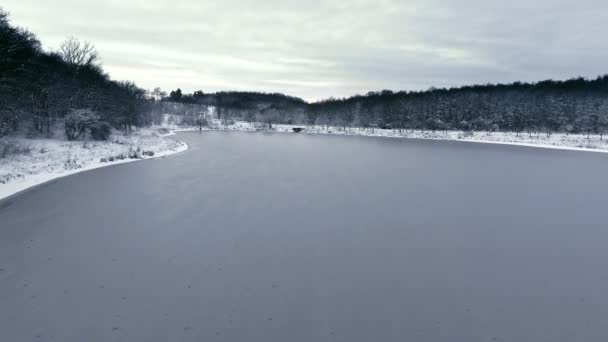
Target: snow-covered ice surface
278	237
49	159
562	141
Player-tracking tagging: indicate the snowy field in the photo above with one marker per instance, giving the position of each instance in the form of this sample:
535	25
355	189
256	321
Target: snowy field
28	162
577	142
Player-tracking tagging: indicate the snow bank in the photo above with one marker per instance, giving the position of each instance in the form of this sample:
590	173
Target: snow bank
562	141
47	159
575	142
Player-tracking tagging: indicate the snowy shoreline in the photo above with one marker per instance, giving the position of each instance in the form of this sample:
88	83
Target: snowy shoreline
557	141
53	159
58	158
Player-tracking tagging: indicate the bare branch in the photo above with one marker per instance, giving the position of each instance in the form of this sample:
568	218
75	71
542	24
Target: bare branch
77	53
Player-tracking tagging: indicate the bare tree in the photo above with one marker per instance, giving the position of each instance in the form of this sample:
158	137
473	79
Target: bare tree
78	53
158	94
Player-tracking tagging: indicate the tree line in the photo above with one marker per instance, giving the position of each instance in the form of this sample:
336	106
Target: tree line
576	105
39	88
227	106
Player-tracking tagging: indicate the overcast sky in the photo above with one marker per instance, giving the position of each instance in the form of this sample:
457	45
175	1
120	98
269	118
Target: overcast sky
316	49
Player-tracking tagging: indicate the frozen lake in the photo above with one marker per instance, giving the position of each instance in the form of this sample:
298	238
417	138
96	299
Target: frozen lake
276	237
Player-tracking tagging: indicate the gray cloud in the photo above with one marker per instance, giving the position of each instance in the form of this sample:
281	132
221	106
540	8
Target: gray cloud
316	49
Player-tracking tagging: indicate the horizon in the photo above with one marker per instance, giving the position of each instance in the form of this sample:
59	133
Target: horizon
399	91
328	49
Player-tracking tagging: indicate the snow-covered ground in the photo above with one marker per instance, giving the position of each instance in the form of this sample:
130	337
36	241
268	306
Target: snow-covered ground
555	141
29	162
577	142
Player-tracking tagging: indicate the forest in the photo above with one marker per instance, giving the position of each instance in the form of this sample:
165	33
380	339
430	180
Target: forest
577	105
39	88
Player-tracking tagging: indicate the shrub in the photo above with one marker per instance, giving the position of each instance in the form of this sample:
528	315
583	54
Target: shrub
71	163
79	122
134	154
100	130
466	126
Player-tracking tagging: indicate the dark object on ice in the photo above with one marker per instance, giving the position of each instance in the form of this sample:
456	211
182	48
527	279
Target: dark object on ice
297	129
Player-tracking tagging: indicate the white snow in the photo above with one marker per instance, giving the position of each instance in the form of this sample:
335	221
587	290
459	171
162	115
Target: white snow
49	159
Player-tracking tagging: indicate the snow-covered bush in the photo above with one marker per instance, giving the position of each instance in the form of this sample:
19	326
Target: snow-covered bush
79	122
71	163
466	126
100	130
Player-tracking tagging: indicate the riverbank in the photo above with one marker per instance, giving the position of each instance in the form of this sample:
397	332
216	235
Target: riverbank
561	141
25	163
30	162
